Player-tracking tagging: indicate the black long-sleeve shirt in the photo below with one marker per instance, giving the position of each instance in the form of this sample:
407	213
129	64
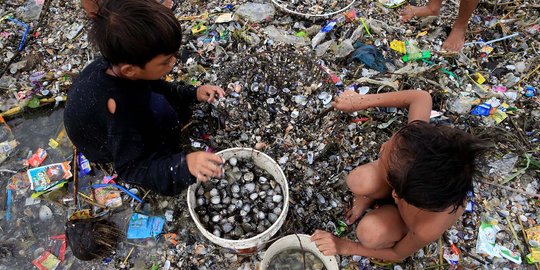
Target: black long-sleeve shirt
141	138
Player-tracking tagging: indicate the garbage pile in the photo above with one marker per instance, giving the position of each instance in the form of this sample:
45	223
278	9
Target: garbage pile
281	64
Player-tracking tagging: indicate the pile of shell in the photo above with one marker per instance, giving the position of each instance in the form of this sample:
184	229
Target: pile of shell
244	203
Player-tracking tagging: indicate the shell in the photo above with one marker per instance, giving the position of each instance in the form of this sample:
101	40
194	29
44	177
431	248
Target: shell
246	195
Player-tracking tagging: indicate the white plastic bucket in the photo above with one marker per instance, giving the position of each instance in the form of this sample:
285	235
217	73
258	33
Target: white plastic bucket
250	245
297	242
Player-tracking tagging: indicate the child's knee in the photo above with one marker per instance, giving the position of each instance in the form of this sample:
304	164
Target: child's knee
363	180
372	232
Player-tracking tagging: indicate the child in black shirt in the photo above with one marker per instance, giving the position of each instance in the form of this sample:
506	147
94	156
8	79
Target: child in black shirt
120	110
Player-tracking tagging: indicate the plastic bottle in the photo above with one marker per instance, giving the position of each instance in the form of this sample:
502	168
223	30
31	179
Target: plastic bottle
319	37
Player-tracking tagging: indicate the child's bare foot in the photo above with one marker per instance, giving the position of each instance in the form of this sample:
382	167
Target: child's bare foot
456	39
410	12
360	204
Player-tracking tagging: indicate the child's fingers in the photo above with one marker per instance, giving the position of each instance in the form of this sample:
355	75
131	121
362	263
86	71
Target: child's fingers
213	163
220	92
215	169
215	158
202	178
206	171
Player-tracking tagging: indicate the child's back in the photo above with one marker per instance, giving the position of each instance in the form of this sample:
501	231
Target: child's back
426	169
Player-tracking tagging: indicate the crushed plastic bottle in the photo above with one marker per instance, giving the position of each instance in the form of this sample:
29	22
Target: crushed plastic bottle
344	49
319	37
278	35
500	168
461	105
321	49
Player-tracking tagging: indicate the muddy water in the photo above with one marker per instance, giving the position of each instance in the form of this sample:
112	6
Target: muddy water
296	260
25	236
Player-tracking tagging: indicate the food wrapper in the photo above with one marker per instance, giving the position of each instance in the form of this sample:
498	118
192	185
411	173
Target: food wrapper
6	148
46	261
108	196
451	257
534	256
485	244
37	158
57	246
533	234
45	177
506	253
19	181
81	214
142	226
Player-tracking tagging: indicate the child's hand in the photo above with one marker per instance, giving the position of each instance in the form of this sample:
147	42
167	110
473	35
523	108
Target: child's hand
208	93
349	101
204	165
327	243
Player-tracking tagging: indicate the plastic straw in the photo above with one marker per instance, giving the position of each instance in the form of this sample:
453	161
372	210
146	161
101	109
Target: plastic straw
492	41
121	188
25	33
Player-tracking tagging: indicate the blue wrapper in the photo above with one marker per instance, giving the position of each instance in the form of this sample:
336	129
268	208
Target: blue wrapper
482	109
142	226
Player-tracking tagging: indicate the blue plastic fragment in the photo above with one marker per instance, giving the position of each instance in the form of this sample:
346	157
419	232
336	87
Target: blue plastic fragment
329	26
530	91
482	109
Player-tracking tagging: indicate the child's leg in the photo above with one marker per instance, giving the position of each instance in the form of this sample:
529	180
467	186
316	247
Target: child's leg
456	39
367	184
381	228
432	8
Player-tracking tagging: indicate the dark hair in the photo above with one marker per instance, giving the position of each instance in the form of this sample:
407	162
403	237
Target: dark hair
432	167
135	31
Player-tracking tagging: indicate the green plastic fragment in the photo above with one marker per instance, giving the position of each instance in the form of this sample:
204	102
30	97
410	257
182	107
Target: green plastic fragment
452	74
341	228
33	103
301	34
416	56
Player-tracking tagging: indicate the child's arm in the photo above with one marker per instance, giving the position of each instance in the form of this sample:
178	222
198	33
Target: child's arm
418	102
177	93
329	244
